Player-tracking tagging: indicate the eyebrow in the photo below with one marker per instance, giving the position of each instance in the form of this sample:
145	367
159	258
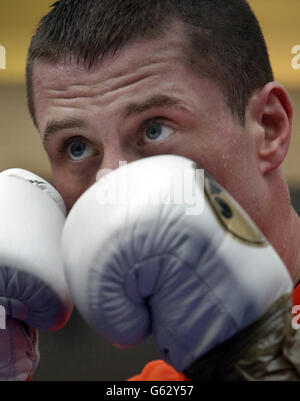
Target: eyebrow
131	109
54	126
151	102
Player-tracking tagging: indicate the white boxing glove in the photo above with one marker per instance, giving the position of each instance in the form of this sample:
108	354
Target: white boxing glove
33	291
153	248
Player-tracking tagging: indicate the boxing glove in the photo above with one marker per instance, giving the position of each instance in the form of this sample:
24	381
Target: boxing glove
33	291
156	247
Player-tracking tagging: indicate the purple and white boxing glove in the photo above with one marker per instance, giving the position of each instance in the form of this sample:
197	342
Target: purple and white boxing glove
33	290
145	254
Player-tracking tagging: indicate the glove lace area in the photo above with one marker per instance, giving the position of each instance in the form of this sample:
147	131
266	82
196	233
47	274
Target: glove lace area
267	350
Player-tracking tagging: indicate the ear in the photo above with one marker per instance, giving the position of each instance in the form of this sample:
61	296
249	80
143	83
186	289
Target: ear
272	111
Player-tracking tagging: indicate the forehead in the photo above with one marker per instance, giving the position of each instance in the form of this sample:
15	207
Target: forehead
135	56
138	70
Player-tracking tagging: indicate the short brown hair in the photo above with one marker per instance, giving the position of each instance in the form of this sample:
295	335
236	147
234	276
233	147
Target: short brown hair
225	41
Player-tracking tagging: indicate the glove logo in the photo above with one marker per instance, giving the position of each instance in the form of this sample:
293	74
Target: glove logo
230	215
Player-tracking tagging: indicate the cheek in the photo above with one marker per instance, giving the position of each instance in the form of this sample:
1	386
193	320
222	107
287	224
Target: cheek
72	181
226	158
206	156
67	187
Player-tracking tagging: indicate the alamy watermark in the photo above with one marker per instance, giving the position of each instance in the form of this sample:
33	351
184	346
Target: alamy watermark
2	318
153	187
296	318
2	58
296	59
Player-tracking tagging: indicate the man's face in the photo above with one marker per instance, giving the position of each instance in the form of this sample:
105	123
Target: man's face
144	101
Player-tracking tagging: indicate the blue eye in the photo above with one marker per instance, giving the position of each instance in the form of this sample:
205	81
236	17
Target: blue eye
153	132
156	132
79	150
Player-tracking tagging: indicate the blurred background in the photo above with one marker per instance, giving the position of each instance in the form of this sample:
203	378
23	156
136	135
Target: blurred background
77	352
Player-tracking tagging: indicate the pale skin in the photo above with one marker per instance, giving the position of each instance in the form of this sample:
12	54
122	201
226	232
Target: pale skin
146	101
